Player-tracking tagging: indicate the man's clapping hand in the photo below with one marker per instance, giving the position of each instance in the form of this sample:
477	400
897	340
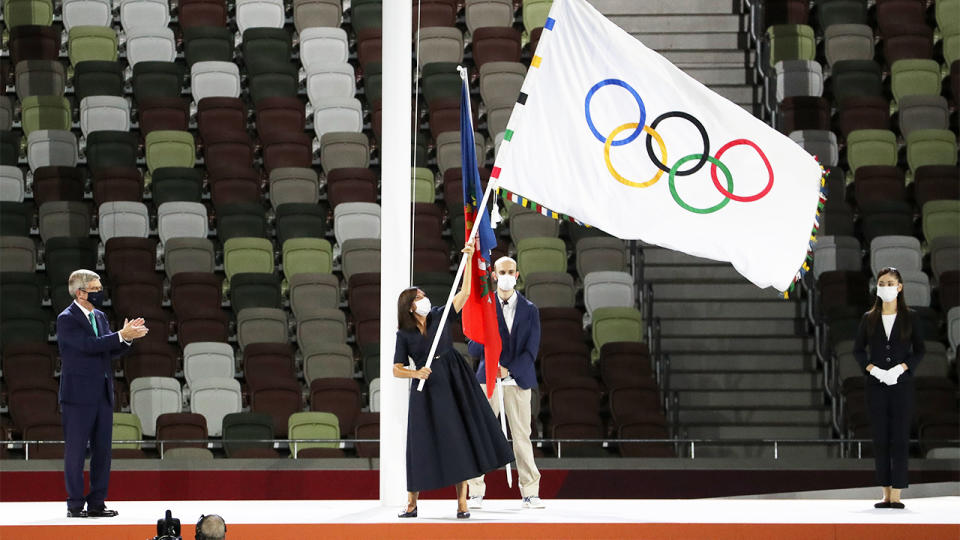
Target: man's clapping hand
132	330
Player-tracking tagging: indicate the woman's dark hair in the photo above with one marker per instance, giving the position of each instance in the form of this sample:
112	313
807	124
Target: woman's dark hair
405	318
903	311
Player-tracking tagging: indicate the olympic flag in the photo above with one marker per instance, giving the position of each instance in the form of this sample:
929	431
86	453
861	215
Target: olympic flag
607	132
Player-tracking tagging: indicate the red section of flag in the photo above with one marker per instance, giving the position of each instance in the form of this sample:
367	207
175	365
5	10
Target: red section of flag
479	314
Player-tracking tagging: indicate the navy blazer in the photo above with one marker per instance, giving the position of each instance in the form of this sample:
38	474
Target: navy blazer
888	352
520	344
85	359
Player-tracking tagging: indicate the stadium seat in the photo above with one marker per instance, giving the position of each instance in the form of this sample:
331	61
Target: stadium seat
798	78
935	182
900	252
181	220
17	254
327	360
202	13
123	218
202	326
27	12
176	184
366	14
45	113
33	42
803	112
495	44
261	325
923	112
594	254
541	255
821	144
40	78
313	425
262	361
259	13
169	149
234	184
92	43
152	396
625	364
108	149
11	184
368	427
151	13
344	150
526	223
293	185
863	112
356	220
288	149
871	147
337	115
884	218
360	255
276	115
482	13
187	255
855	78
321	326
440	44
327	79
448	150
351	184
214	79
241	220
340	396
207	44
225	148
99	113
157	79
914	77
245	426
940	219
300	220
180	426
905	40
832	253
148	360
86	13
254	290
316	13
550	289
278	80
848	42
16	218
278	397
791	42
117	184
323	44
309	289
931	147
44	427
126	427
63	218
192	292
147	44
247	255
214	398
608	289
616	324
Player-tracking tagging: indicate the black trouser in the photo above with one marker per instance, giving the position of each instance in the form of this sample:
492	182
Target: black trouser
891	413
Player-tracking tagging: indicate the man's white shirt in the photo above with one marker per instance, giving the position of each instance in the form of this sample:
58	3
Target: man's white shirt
509	311
86	315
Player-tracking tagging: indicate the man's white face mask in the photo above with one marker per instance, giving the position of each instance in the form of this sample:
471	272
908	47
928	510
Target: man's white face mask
506	282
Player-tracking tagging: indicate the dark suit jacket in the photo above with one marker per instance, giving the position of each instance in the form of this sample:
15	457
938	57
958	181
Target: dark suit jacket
86	360
520	345
885	353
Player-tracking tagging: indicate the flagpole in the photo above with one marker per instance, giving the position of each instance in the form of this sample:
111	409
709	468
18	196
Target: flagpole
463	258
503	424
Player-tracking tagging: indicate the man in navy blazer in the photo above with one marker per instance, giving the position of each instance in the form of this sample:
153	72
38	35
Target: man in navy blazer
520	335
87	347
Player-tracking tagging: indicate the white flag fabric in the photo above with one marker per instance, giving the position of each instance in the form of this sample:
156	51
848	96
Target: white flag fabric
609	133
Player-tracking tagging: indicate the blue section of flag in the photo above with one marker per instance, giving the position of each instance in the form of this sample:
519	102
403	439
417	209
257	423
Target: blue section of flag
472	190
549	24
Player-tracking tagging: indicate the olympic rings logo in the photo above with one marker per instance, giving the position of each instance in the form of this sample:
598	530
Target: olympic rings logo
673	171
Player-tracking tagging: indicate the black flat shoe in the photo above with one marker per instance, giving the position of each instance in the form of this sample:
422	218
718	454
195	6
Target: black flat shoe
463	515
410	514
103	512
77	513
898	505
882	504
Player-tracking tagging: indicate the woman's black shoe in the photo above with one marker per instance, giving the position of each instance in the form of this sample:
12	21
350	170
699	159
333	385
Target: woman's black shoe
410	514
897	505
882	504
463	515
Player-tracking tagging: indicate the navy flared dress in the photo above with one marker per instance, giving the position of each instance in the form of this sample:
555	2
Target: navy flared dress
452	434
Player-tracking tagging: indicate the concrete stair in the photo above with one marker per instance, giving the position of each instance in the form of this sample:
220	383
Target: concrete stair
704	38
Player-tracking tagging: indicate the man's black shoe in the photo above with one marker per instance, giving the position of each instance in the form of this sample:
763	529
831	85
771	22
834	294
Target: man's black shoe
77	513
103	512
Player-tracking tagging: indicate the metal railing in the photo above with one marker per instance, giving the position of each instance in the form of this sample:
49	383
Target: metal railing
847	447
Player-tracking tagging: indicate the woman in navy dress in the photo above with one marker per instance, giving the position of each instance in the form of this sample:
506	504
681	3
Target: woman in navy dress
452	434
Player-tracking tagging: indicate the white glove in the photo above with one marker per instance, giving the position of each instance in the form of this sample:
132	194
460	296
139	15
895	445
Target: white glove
893	374
878	373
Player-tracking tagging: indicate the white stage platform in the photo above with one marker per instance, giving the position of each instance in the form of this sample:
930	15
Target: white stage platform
924	519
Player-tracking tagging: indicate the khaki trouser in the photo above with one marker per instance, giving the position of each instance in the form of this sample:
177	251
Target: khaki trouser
516	401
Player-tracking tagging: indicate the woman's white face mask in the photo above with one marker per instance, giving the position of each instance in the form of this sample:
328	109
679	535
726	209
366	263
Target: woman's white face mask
422	306
887	293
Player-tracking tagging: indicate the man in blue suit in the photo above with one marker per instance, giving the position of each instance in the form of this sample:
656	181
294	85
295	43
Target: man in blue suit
87	347
520	335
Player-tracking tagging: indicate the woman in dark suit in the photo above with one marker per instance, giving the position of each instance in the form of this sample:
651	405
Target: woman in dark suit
888	347
452	434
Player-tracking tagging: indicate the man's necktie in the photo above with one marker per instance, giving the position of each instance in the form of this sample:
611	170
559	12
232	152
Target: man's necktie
93	322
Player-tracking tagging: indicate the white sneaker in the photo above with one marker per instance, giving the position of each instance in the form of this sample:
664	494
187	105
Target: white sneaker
475	502
533	502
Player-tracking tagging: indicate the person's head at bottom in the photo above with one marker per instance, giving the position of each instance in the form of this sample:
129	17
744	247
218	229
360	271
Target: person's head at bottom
211	527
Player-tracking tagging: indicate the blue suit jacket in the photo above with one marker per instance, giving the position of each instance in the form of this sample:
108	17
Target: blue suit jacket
520	345
86	361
